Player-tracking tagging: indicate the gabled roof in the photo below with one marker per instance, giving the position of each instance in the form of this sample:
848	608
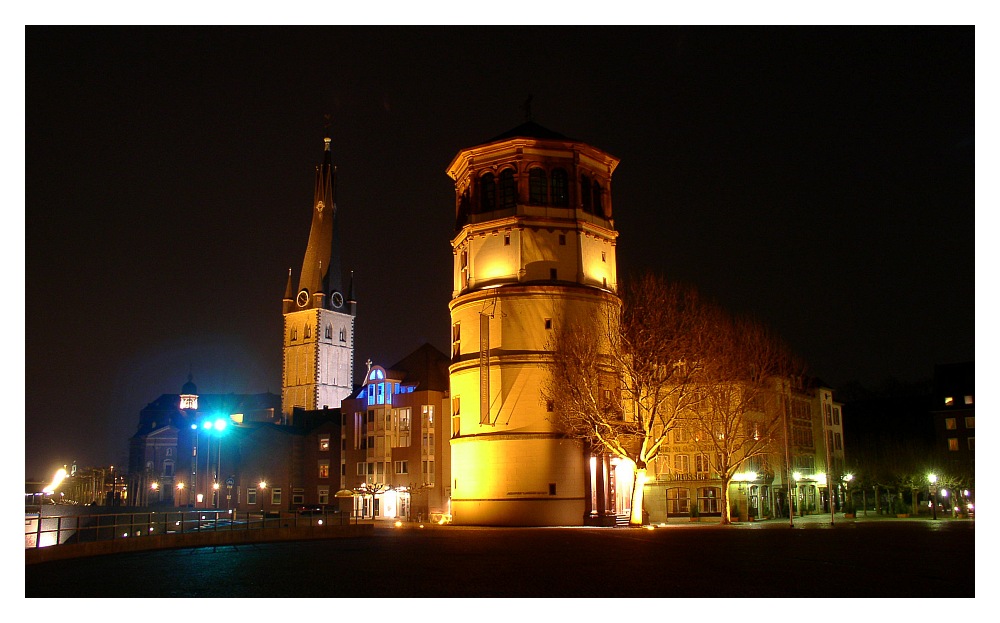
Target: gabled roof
426	368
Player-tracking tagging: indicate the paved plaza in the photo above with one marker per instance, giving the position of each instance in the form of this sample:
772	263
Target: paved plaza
853	558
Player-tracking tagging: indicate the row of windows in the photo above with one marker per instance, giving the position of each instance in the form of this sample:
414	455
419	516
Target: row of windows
952	424
293	333
381	469
500	192
953	444
949	401
275	496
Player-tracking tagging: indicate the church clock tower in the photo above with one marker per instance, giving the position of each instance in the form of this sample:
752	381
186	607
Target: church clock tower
318	341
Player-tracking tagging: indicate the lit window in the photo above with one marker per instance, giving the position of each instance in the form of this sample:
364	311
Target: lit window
324	443
678	500
949	423
968	400
953	444
324	469
970	422
948	401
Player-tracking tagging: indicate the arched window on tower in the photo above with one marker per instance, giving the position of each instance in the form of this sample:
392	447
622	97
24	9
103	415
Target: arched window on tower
487	193
463	209
560	196
508	189
328	334
538	191
585	194
598	199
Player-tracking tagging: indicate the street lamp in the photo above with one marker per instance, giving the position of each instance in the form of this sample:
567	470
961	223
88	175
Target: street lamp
932	479
263	485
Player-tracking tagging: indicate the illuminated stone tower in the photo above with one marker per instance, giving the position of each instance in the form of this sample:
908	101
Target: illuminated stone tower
534	248
318	368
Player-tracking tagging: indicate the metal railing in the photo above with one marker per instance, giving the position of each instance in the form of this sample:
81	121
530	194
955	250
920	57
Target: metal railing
46	531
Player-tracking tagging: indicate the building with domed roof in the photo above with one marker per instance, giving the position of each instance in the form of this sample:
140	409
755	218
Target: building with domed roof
534	248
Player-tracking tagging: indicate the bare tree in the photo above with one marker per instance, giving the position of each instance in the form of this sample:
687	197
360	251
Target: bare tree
620	379
737	419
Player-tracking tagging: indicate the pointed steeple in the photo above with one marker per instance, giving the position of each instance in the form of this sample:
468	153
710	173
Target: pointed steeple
320	249
289	300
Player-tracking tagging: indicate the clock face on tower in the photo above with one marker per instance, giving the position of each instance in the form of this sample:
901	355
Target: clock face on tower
303	298
337	299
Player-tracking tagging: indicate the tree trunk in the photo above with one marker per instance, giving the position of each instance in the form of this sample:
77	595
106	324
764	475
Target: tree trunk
635	519
725	504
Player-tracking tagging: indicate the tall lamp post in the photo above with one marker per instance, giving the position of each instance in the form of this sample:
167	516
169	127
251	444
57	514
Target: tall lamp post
261	486
932	479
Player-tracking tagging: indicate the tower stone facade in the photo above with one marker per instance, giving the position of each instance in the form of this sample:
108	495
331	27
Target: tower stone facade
534	248
318	343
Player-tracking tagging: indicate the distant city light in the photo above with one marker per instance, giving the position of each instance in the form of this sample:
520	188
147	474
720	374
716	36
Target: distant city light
56	480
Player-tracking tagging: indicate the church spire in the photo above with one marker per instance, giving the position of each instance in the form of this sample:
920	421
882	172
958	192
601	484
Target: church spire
320	249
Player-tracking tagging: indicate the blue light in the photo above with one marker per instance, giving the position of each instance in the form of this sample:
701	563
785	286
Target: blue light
194	427
207	425
220	424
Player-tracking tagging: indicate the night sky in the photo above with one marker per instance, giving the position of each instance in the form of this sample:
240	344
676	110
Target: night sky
821	179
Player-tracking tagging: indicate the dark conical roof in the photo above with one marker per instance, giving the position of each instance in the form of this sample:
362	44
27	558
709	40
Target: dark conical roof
530	129
189	387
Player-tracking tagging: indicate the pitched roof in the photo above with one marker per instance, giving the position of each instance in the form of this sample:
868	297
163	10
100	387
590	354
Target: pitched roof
426	368
530	129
